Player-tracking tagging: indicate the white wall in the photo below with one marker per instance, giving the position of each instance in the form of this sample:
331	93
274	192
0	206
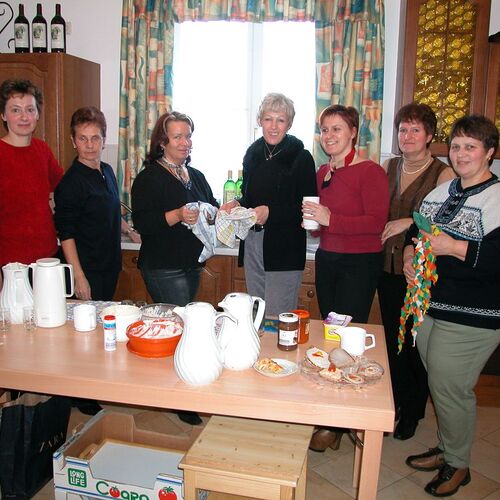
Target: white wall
95	35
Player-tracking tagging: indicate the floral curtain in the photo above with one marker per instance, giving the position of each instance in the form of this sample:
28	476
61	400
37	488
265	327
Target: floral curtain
350	66
145	82
349	61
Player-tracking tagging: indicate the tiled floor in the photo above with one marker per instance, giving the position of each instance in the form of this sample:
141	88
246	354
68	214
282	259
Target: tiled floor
329	473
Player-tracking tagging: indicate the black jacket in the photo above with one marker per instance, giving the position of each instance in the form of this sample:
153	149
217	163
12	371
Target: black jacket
154	192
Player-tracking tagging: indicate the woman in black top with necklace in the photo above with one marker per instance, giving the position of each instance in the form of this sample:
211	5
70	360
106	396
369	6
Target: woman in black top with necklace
168	258
277	173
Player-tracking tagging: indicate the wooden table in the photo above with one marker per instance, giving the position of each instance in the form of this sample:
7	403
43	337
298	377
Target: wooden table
62	361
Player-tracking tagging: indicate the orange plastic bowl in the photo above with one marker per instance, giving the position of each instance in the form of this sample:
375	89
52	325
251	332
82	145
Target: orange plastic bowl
156	338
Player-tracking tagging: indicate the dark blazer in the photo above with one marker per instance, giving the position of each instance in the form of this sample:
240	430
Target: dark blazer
280	183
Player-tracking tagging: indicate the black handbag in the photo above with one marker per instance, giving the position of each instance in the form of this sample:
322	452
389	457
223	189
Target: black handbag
32	427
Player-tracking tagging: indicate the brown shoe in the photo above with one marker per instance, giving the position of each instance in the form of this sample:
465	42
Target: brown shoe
447	481
432	459
324	438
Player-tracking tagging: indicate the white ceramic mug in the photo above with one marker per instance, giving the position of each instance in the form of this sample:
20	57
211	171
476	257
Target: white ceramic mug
311	225
353	340
84	317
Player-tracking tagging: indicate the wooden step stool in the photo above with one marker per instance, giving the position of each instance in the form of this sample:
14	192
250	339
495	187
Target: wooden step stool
252	458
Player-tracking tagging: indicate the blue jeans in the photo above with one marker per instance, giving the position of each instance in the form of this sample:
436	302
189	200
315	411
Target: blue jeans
172	286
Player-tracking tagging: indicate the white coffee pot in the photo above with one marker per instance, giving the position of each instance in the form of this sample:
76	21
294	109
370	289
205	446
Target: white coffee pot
49	292
16	292
240	341
198	358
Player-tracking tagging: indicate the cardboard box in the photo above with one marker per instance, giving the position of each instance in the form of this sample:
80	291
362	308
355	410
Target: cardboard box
111	458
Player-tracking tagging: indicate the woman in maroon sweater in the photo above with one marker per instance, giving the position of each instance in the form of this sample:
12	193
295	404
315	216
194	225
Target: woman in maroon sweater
353	208
352	212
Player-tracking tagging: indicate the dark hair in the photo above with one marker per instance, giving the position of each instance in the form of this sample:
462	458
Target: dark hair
159	136
415	112
478	127
85	115
349	114
23	87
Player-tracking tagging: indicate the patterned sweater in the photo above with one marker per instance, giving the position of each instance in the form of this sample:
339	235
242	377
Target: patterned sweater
467	292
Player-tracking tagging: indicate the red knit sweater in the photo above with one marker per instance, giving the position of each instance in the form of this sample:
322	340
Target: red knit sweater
27	176
358	198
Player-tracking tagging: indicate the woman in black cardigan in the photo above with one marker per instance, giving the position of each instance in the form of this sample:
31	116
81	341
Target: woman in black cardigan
277	173
168	258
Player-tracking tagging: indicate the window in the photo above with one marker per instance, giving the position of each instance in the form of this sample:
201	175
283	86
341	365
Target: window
221	72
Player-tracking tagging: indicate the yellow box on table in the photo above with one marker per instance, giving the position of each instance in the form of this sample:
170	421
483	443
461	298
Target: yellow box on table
111	458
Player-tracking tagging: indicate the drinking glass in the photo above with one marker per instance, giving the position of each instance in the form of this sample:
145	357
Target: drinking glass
4	320
28	318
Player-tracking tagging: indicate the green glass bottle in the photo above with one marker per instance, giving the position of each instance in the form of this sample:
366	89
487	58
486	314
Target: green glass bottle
239	182
229	188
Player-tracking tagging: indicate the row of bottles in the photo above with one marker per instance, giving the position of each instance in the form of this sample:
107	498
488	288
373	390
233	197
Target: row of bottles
39	31
232	189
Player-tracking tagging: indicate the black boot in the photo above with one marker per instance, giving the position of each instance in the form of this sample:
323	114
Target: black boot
190	417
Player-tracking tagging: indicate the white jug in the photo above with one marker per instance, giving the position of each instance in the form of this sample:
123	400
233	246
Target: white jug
16	291
49	292
240	342
198	358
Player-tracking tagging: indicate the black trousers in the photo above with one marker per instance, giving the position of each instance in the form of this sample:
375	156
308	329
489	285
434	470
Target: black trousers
408	375
102	284
346	283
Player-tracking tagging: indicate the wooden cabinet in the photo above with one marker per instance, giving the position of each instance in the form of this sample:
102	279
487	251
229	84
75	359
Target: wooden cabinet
492	104
445	60
67	83
220	276
215	281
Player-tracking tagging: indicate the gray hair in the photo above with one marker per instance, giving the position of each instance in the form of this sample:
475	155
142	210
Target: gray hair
277	103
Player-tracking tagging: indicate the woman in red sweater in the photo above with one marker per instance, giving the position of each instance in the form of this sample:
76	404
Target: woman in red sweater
352	212
28	174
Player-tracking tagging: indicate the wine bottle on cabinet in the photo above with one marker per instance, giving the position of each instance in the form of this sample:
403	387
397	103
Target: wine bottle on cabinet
21	31
229	192
39	30
58	32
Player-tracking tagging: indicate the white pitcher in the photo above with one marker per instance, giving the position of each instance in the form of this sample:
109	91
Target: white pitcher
16	291
198	358
49	292
240	341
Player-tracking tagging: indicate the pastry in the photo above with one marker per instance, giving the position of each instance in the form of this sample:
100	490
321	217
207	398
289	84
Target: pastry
352	378
318	357
371	370
269	366
334	375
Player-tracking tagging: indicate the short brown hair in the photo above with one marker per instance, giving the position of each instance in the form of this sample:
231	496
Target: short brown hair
10	88
85	115
415	112
478	127
159	135
349	114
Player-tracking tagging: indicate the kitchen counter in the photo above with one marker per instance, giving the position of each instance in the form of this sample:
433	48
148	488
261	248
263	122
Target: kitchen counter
311	245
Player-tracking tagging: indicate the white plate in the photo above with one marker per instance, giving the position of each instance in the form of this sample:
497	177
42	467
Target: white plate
289	367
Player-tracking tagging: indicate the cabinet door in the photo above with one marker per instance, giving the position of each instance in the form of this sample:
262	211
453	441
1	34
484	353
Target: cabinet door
307	294
492	105
216	280
130	283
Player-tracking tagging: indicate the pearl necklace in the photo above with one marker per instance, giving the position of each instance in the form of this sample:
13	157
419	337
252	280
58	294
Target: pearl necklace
425	165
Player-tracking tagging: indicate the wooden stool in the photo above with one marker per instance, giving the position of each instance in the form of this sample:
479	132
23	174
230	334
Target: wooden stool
252	458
